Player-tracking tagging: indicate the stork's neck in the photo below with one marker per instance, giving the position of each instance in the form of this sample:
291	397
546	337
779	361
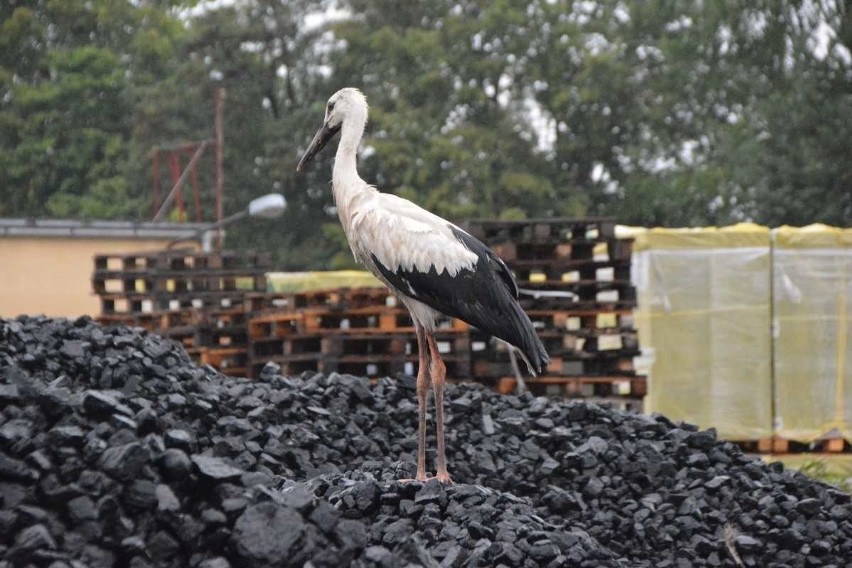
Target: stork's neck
345	172
348	187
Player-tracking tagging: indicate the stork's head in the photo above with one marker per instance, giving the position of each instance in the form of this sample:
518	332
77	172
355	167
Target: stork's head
346	105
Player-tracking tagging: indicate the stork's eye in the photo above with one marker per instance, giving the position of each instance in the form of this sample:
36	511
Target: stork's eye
330	107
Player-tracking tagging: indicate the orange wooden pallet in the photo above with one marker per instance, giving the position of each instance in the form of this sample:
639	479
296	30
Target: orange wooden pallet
779	445
231	361
275	325
590	386
377	319
344	298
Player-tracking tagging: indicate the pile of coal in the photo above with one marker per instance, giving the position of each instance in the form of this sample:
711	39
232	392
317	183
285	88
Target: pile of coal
115	450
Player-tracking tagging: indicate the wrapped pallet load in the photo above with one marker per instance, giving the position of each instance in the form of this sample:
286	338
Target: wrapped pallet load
704	320
812	285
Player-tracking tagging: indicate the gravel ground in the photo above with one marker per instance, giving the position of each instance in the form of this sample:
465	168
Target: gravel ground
115	450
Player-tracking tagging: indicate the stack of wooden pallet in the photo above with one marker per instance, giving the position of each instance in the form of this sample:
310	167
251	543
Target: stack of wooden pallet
360	331
202	300
575	285
574	276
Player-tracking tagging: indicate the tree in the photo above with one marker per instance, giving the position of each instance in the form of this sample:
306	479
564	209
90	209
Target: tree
67	70
443	131
655	113
683	113
265	56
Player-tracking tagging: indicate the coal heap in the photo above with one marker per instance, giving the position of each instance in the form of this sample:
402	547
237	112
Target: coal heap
115	450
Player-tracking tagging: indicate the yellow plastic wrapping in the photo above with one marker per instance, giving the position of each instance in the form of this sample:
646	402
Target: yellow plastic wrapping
812	276
319	280
704	321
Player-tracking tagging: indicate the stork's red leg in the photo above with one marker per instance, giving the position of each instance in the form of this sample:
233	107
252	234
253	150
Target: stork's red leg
422	393
439	375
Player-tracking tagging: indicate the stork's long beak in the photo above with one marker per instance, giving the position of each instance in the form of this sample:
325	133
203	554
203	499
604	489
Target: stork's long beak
321	138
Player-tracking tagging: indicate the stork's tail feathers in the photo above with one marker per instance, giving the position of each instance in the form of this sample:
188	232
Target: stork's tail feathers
526	340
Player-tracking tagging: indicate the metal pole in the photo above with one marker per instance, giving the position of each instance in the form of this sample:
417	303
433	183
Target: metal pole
155	179
220	175
196	193
773	333
171	195
212	227
520	383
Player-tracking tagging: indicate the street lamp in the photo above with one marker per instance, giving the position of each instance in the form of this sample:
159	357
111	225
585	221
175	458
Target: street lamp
267	206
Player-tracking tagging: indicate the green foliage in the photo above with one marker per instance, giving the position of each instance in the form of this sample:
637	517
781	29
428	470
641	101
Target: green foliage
63	135
68	74
656	112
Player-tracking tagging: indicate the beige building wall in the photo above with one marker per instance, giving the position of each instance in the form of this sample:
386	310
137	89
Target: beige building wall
53	276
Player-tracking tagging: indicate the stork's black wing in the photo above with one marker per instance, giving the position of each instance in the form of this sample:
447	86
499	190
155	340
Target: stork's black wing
485	296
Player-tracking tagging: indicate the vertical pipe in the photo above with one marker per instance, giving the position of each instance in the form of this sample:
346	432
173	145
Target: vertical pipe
774	330
171	195
220	175
155	180
177	179
196	188
840	378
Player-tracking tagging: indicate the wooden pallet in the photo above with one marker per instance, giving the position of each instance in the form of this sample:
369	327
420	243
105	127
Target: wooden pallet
570	303
243	261
344	298
526	254
155	282
373	366
174	272
258	303
371	319
586	291
376	319
231	336
582	387
580	320
567	367
160	321
349	351
198	299
225	317
542	230
393	343
570	270
322	345
231	361
275	326
151	303
216	281
580	344
181	259
122	283
779	445
153	321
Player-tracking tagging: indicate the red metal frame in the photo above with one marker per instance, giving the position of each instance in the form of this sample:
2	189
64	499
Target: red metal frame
192	151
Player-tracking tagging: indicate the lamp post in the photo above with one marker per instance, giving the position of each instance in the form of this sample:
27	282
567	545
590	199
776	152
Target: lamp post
268	206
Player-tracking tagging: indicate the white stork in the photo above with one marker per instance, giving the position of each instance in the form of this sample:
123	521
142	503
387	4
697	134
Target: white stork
433	266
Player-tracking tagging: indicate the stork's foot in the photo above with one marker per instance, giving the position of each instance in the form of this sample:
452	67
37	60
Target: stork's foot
445	479
418	479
